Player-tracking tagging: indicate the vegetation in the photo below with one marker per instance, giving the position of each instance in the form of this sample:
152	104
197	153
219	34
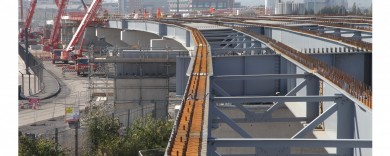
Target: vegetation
107	137
30	146
341	11
335	10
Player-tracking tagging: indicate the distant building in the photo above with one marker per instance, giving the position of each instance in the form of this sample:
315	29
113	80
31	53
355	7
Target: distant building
237	5
289	8
270	6
111	7
130	6
198	5
179	5
152	5
217	4
298	8
260	10
316	5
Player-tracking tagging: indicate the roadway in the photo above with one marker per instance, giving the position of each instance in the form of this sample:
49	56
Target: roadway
70	85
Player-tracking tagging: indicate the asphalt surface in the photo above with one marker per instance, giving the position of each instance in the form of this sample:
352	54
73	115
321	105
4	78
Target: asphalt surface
59	90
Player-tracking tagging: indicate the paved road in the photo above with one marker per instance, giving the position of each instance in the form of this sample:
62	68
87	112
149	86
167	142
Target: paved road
73	90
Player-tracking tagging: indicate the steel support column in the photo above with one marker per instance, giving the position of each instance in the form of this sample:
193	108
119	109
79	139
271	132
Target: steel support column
312	88
345	123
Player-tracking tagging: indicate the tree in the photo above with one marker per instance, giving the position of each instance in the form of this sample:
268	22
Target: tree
370	13
30	146
358	11
106	135
101	129
354	9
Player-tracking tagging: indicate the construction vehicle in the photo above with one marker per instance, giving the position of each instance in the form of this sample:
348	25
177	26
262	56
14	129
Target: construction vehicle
53	42
56	56
80	30
83	65
27	24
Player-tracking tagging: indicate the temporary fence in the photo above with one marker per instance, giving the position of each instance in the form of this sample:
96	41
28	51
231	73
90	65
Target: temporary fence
33	73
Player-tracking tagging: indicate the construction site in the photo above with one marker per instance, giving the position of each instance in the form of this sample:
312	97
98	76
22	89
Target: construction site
231	84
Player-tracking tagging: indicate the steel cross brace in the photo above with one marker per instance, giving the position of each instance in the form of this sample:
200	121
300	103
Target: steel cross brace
265	142
246	99
291	92
316	122
266	115
260	76
238	49
230	122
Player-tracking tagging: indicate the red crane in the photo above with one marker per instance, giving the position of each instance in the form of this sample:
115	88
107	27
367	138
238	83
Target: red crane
54	36
29	17
80	30
21	9
158	13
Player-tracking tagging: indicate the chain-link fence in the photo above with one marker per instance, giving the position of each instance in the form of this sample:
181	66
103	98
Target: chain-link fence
155	110
66	136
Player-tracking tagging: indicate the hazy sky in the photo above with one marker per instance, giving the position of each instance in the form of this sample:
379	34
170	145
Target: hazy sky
363	3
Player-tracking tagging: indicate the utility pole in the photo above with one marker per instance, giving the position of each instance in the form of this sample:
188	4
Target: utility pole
26	48
27	58
177	6
21	10
56	138
76	139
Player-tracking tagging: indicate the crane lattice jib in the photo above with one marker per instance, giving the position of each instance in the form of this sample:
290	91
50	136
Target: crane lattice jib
54	36
29	17
80	30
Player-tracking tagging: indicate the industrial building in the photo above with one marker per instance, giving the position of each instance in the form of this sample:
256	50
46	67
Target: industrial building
279	7
289	8
179	5
270	6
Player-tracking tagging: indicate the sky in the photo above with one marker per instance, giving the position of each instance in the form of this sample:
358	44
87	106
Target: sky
363	3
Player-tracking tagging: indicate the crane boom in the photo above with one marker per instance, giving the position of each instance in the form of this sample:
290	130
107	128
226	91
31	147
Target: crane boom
29	17
80	30
54	36
21	9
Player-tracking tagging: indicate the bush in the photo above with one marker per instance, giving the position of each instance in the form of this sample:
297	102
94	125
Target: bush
105	136
29	146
